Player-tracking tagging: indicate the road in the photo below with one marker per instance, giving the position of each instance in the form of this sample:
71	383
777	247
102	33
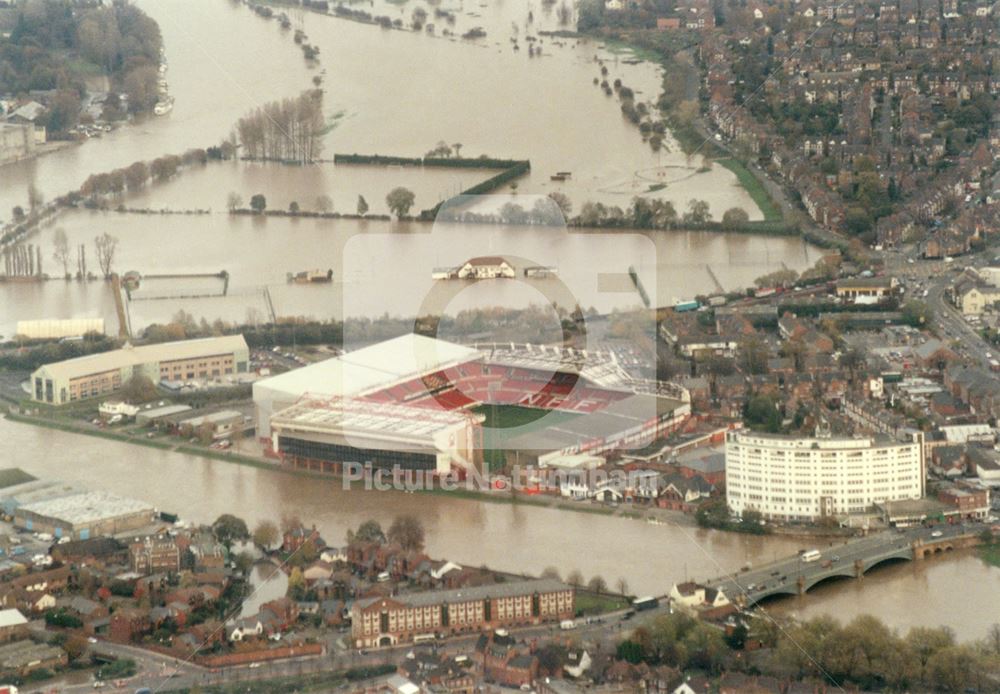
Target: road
163	674
837	559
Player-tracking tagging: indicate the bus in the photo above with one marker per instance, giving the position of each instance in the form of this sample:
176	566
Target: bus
811	555
646	603
423	638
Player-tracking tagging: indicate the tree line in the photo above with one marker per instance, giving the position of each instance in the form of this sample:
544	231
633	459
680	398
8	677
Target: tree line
864	653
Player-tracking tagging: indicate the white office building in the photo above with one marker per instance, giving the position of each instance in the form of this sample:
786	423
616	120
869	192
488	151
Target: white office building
805	479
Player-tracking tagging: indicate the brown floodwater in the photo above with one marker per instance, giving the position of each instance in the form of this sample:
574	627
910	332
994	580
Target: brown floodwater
958	590
394	92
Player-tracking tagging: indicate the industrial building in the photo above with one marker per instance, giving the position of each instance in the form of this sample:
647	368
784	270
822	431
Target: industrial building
388	621
100	374
54	329
84	515
792	478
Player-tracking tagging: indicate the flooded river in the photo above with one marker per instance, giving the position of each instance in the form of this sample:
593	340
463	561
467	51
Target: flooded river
397	92
385	268
959	590
394	92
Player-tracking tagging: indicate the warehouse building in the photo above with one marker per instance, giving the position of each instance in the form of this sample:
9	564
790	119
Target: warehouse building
84	515
100	374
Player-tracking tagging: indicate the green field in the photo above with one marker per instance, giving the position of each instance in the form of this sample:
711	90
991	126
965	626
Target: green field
506	421
509	416
754	187
589	603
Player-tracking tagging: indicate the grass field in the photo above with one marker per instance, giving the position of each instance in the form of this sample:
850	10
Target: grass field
506	421
754	187
510	416
588	603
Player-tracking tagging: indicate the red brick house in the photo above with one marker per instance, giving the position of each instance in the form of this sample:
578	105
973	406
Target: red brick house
503	662
128	625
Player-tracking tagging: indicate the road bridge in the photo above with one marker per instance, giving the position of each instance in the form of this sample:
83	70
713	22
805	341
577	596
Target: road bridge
850	559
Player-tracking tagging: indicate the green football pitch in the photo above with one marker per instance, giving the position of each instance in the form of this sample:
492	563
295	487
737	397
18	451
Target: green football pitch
504	422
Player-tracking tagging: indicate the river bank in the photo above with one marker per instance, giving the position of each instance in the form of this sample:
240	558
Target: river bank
260	462
957	589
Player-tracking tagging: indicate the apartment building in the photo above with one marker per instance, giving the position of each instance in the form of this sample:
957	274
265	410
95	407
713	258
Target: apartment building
414	617
792	478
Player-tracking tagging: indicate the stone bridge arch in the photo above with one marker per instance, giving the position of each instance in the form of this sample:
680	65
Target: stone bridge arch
809	583
905	555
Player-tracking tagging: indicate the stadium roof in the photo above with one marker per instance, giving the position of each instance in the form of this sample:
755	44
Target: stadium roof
599	367
145	354
348	416
370	368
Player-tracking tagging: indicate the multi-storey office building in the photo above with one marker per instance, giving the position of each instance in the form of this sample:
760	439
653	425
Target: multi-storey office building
103	373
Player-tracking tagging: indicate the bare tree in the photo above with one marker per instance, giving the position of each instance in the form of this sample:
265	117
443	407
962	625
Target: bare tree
105	245
622	586
234	201
60	251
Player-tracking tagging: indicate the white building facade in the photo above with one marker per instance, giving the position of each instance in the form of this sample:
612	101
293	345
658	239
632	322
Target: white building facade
805	479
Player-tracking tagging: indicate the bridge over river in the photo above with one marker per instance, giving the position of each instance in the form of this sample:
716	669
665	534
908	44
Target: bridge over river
851	559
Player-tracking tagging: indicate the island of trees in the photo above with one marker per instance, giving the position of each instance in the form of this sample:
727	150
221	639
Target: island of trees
288	130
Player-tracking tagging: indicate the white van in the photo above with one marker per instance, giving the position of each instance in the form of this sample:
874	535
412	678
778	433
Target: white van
567	624
811	555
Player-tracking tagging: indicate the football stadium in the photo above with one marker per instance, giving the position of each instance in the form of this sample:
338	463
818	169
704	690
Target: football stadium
419	403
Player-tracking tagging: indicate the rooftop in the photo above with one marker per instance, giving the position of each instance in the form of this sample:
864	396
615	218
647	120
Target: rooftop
369	368
11	618
145	354
87	507
337	415
494	590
